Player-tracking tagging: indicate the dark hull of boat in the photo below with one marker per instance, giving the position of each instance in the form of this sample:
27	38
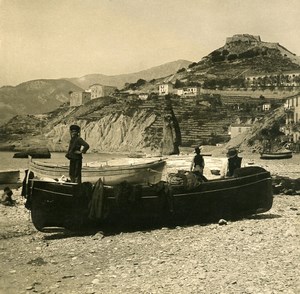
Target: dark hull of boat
277	155
69	205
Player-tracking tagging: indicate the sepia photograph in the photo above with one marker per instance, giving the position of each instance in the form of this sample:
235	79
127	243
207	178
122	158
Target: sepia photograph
149	146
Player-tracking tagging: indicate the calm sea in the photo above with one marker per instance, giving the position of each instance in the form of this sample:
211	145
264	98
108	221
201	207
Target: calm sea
8	162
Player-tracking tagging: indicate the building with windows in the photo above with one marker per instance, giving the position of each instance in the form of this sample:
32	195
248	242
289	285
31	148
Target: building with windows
79	98
188	91
292	109
266	106
292	119
165	89
285	79
98	90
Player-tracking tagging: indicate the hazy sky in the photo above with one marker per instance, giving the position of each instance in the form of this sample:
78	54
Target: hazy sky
72	38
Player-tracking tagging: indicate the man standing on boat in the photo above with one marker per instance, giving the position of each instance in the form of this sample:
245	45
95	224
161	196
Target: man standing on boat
75	152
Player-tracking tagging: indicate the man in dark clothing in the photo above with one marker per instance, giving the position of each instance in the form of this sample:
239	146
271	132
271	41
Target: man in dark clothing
75	153
234	161
198	164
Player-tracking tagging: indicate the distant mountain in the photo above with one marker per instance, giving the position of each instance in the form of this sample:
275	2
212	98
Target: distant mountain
34	97
39	96
120	80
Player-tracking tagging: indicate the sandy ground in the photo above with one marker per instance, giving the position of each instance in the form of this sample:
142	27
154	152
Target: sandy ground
259	254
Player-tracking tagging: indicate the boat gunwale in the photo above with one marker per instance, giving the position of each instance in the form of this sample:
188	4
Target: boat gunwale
57	168
207	184
224	188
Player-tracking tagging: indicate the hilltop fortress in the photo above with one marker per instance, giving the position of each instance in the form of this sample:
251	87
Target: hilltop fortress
252	41
245	38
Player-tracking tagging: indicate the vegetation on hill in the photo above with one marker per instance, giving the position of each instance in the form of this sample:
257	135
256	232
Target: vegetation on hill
201	120
229	65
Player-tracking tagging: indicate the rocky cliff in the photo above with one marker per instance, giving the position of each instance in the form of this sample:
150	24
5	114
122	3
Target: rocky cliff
113	132
106	124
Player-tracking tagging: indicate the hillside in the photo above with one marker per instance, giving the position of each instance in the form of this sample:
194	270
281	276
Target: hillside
159	124
34	97
126	124
45	95
241	56
120	80
107	124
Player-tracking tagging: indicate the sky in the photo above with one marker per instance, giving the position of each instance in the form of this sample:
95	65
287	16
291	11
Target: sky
49	39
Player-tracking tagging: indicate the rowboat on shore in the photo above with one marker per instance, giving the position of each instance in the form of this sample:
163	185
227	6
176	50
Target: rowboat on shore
277	155
73	206
9	177
135	173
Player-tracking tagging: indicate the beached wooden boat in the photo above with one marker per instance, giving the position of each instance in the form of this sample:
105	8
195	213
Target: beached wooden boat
136	173
9	177
72	206
277	155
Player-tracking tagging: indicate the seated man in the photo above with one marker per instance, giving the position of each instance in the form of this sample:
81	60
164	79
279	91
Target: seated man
6	197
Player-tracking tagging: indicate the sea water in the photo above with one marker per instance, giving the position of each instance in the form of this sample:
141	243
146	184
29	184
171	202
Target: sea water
7	161
286	167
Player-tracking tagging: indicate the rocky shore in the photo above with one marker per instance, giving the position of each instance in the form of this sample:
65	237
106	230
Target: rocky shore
259	254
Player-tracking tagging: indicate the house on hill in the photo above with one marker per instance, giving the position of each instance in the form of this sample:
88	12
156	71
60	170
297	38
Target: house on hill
165	89
285	79
188	91
98	90
143	96
266	106
292	109
237	129
79	98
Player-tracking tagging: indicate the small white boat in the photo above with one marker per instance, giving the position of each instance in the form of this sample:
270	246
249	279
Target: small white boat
135	173
277	155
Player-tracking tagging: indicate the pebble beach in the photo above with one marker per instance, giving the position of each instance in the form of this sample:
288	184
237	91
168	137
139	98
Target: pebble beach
258	254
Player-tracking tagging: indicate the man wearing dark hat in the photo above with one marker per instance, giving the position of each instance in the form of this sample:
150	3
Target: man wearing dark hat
75	152
197	162
234	161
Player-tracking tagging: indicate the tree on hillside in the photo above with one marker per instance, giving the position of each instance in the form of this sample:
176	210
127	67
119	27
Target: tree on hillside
178	84
181	70
192	64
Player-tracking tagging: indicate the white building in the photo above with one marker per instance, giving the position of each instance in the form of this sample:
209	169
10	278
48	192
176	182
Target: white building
266	106
237	129
98	90
188	91
292	121
165	89
143	96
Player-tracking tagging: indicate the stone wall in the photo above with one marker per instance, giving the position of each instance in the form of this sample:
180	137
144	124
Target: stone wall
253	94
